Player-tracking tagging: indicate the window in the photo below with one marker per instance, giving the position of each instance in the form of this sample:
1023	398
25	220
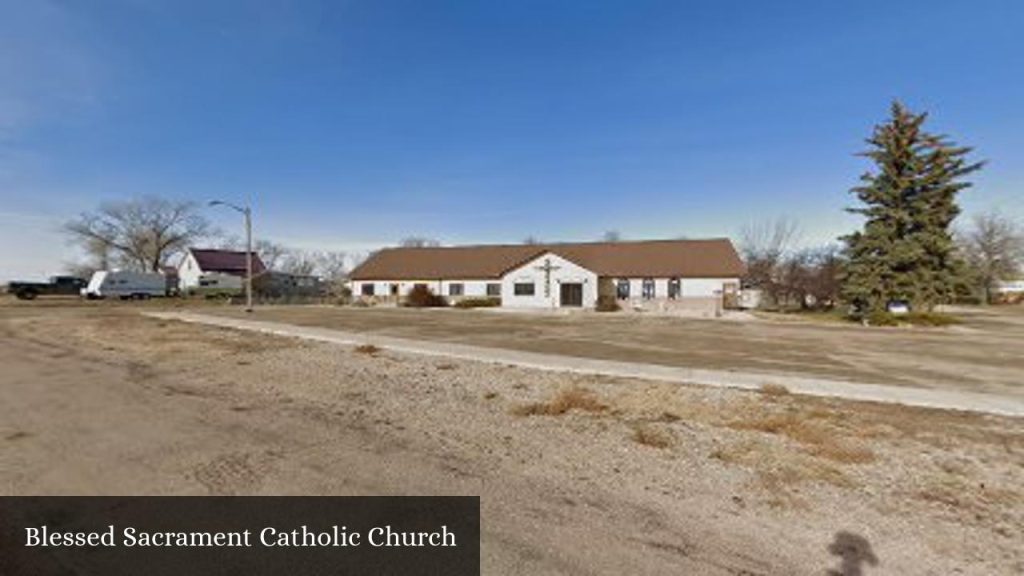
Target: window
674	288
524	289
455	289
648	288
494	289
367	289
622	289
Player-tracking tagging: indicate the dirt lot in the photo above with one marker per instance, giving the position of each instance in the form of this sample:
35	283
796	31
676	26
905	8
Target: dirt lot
984	354
576	475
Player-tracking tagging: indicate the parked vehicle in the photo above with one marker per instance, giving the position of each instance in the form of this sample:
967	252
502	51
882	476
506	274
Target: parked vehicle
57	286
898	307
124	284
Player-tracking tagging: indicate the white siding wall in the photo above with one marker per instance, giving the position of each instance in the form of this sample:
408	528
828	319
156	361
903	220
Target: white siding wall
689	287
470	288
382	288
531	273
698	287
190	276
188	272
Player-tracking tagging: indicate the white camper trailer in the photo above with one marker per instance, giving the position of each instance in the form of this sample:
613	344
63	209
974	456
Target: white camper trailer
124	284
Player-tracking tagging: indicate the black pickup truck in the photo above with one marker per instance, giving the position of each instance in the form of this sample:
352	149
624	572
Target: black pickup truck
57	286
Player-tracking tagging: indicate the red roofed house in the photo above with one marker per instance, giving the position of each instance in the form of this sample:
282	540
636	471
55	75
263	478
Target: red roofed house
209	268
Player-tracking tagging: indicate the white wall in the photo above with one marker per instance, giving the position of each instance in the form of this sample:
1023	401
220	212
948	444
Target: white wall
698	287
382	288
221	281
566	272
689	287
470	288
530	272
191	276
188	272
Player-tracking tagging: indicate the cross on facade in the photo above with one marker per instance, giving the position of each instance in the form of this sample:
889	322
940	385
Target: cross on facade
547	268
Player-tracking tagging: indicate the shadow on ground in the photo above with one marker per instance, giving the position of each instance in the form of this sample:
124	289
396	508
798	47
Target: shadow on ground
854	552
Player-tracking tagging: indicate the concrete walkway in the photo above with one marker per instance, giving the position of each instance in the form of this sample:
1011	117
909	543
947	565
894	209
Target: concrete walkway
930	398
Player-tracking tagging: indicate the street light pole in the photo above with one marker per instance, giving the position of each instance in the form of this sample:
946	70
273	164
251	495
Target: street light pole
247	212
248	259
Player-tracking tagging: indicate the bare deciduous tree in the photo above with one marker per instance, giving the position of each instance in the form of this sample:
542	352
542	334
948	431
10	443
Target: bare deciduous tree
769	239
611	236
418	242
994	250
271	253
808	278
763	245
299	262
332	265
531	240
140	233
97	256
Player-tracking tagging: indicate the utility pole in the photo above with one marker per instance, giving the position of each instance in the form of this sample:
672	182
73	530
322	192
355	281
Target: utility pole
247	212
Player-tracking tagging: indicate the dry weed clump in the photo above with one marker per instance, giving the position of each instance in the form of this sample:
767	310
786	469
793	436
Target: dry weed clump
649	436
575	398
843	453
964	495
813	430
774	390
368	349
778	472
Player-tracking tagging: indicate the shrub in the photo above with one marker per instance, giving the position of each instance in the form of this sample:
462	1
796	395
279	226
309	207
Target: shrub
569	399
607	303
880	318
772	389
488	302
368	349
652	437
422	297
343	296
930	319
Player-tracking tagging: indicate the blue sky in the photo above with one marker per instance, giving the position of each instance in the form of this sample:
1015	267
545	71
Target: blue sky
349	125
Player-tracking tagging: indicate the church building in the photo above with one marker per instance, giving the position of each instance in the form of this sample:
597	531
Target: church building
658	275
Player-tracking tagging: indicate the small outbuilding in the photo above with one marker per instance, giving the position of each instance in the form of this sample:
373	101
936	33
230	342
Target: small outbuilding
216	269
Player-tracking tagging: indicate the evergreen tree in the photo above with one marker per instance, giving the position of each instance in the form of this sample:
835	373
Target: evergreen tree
906	250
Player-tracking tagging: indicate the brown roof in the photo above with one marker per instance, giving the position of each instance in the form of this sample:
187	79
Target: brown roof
225	261
712	258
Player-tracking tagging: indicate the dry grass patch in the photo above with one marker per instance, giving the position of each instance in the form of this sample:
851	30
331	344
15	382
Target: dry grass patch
794	425
650	436
844	452
575	398
814	429
368	349
738	452
112	328
975	499
779	470
774	390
